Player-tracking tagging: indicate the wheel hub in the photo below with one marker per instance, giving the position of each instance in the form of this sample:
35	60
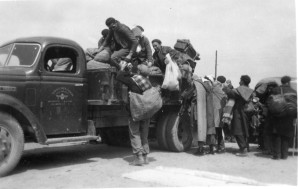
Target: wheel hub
5	143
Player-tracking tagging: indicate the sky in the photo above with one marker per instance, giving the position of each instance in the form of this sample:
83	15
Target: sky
251	37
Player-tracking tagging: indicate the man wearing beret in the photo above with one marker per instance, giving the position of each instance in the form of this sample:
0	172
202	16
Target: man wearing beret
125	42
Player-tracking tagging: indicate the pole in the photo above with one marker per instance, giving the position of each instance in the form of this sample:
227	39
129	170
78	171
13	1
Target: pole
215	64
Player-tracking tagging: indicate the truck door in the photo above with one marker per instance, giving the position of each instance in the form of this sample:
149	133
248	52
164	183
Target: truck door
63	92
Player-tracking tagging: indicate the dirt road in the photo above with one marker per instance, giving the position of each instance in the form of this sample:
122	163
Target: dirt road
79	165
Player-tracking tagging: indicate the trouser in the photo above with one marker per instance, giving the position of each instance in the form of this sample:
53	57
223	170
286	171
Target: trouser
267	140
280	146
138	133
242	142
220	138
117	56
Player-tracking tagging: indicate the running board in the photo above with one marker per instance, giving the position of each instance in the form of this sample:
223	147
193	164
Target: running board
71	139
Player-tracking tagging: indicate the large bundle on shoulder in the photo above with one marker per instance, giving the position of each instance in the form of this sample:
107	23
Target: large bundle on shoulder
184	46
144	106
284	104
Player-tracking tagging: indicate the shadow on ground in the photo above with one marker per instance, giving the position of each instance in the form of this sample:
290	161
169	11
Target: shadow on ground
48	157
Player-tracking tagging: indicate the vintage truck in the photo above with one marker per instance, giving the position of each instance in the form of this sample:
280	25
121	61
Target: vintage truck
46	106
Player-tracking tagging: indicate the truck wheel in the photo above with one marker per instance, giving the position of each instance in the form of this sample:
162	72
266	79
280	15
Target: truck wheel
11	143
161	131
178	133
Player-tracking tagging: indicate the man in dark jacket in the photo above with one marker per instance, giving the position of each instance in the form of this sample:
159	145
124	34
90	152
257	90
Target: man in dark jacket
240	121
138	130
283	127
160	53
125	42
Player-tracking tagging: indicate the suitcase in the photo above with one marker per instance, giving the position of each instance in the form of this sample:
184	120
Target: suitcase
184	46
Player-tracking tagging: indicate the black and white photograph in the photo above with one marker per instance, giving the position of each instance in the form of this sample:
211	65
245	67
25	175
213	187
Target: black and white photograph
148	93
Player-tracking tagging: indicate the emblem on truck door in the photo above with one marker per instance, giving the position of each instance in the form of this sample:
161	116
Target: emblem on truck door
61	96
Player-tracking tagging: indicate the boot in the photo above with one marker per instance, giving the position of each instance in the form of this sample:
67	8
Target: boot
242	153
138	160
211	150
200	151
146	161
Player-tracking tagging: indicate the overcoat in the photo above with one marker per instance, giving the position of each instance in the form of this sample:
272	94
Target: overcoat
240	121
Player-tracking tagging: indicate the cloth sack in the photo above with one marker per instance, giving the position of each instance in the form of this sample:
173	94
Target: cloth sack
281	105
172	75
103	56
146	105
249	108
94	65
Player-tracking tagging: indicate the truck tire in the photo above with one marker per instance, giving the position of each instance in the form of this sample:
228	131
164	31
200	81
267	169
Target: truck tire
161	131
178	132
11	143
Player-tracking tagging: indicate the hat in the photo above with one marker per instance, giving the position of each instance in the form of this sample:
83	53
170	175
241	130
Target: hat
144	70
285	79
110	21
137	31
141	28
104	32
156	40
221	79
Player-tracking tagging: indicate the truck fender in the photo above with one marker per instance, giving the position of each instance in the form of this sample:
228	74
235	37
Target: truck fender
26	112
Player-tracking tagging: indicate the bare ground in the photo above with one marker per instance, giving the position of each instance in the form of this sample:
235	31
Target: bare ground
80	165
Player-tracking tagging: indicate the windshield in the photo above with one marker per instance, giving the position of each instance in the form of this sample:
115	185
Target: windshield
22	54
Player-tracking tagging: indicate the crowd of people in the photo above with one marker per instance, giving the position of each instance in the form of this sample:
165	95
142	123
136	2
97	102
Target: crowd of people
226	107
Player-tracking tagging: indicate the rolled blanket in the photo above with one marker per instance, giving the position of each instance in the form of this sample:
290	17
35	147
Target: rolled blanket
228	112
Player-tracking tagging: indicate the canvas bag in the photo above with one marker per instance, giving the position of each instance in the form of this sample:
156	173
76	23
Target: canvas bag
172	76
146	105
249	107
282	104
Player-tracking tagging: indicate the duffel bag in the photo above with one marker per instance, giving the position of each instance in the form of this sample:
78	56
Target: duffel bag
281	105
103	56
146	105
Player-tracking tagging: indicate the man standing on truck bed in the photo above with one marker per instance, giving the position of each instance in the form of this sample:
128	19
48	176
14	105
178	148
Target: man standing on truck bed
125	42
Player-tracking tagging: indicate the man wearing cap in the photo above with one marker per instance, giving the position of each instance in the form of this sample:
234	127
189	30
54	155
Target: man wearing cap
138	130
143	54
125	42
240	121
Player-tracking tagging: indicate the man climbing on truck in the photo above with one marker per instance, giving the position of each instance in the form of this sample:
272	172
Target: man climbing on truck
125	42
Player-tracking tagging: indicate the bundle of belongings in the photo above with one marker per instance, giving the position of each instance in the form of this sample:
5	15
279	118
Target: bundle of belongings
279	105
96	59
188	53
144	106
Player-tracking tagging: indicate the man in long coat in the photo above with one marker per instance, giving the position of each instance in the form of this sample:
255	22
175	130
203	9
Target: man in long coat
240	121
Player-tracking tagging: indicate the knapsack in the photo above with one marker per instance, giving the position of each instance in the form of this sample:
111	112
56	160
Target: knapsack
249	107
280	105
